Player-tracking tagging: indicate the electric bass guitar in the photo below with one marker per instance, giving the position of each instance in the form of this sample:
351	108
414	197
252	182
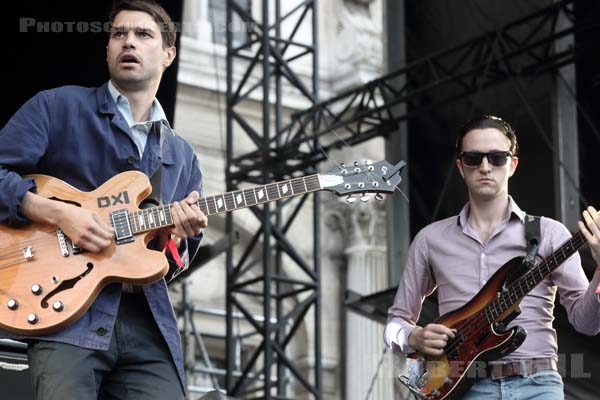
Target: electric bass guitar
481	333
47	282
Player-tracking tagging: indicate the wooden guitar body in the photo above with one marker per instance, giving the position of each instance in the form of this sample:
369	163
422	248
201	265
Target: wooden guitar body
42	288
478	339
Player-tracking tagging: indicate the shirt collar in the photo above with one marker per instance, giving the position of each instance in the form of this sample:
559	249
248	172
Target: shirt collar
513	209
156	111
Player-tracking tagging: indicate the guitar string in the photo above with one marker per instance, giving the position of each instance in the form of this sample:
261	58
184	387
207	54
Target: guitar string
480	321
152	215
472	328
41	244
152	218
132	218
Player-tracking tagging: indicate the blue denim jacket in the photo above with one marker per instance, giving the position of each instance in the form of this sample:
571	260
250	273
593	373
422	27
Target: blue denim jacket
77	135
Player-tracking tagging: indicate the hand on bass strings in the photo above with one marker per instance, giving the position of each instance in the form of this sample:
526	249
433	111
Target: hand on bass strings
431	339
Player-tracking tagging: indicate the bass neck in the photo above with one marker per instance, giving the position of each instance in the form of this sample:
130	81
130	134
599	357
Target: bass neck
518	289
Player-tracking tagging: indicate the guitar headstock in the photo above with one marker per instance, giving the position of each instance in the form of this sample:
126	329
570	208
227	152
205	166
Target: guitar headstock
363	178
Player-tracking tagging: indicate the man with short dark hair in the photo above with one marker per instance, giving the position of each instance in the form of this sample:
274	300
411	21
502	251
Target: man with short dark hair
127	345
460	254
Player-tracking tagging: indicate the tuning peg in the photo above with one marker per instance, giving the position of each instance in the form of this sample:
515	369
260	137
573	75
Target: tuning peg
350	199
356	163
378	197
364	198
368	162
342	165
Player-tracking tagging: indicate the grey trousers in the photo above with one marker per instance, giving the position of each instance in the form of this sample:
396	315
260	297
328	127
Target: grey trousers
137	365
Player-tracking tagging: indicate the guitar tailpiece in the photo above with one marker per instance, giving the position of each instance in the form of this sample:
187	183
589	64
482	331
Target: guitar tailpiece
416	391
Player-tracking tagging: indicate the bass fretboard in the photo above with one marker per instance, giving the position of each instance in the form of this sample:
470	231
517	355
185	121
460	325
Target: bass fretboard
525	284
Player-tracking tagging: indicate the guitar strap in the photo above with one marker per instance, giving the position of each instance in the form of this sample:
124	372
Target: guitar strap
155	181
532	237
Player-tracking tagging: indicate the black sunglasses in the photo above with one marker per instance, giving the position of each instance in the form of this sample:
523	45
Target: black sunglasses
474	158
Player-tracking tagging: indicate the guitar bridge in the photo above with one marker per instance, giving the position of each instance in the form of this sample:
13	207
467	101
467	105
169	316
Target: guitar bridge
416	376
67	245
62	243
405	380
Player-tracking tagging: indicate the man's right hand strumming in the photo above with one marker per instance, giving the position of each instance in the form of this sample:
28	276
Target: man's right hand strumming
431	339
84	227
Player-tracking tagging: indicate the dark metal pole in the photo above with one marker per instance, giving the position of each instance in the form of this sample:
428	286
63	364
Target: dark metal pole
230	339
280	335
317	209
266	214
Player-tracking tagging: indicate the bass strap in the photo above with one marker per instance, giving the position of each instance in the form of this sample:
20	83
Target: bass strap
532	238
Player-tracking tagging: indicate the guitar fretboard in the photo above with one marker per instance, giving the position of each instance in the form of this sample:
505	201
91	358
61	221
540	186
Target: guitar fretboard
160	216
519	289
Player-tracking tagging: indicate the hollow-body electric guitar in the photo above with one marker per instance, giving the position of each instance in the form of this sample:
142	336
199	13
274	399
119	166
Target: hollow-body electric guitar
481	327
47	282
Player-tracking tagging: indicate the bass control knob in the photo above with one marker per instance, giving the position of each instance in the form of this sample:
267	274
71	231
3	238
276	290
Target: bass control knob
58	306
32	318
12	304
36	289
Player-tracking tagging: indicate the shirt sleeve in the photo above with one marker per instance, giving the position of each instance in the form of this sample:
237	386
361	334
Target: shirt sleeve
576	293
416	283
23	142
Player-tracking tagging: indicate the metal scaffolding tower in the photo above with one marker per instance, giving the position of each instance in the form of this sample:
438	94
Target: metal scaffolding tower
271	51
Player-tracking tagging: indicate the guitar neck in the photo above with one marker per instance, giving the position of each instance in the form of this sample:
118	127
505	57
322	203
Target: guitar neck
536	274
161	217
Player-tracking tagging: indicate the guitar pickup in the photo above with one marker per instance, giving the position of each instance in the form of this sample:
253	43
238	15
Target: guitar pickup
120	221
76	249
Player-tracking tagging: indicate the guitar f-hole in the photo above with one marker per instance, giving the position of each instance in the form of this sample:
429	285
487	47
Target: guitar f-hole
66	284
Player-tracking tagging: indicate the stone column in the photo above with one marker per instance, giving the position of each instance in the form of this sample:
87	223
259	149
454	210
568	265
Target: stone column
364	236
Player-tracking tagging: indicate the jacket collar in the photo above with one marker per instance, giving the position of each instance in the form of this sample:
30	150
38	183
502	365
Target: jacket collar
106	105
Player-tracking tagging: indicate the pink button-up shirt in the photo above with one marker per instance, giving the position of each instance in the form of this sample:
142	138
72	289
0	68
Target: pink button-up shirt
448	255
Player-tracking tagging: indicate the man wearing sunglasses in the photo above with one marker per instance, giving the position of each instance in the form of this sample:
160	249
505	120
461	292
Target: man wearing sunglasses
459	254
